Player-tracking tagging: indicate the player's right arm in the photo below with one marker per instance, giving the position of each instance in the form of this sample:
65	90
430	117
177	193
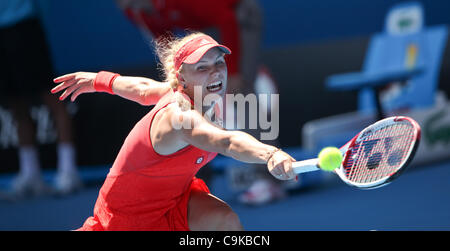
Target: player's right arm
192	128
142	90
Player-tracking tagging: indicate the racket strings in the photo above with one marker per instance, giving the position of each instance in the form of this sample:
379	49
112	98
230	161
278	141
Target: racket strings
378	165
380	154
372	161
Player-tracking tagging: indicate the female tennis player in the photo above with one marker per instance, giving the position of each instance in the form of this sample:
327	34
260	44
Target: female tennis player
152	183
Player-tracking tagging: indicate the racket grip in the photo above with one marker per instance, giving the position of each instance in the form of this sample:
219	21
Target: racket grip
305	166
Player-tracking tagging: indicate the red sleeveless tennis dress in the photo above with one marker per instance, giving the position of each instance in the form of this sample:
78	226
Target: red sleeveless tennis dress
145	190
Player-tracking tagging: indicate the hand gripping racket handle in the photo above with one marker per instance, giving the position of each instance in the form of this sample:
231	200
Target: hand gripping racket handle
305	166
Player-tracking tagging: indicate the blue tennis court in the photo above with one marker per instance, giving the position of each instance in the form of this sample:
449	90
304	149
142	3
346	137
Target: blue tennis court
418	200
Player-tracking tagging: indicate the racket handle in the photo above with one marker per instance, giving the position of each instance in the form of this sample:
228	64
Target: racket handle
305	166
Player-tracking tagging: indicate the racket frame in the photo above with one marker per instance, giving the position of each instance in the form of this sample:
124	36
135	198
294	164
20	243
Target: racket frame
312	164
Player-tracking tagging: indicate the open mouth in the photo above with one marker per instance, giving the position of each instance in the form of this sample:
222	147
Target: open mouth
214	87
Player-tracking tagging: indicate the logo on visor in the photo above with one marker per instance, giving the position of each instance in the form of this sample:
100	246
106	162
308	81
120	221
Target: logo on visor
203	42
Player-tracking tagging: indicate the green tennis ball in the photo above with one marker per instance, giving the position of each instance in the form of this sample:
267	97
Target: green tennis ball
330	158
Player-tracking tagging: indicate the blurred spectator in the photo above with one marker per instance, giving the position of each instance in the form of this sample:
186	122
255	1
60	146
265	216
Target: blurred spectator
239	24
26	75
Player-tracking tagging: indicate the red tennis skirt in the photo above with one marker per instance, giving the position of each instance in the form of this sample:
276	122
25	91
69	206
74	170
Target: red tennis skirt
176	219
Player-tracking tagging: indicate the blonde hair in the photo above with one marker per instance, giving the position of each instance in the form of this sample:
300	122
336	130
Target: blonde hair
166	49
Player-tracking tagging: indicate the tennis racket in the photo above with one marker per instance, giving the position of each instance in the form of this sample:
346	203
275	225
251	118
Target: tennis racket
375	156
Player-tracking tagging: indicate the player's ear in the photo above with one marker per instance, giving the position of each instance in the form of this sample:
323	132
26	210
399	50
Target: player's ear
181	80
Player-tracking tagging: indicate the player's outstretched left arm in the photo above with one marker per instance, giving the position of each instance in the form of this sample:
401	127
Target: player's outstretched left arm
142	90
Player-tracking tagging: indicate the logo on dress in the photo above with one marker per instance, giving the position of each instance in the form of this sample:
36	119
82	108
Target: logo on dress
199	160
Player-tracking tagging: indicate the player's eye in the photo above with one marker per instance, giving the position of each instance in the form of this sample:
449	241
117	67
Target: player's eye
220	61
201	68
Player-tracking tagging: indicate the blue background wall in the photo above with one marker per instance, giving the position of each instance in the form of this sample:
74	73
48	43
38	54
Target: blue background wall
87	34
